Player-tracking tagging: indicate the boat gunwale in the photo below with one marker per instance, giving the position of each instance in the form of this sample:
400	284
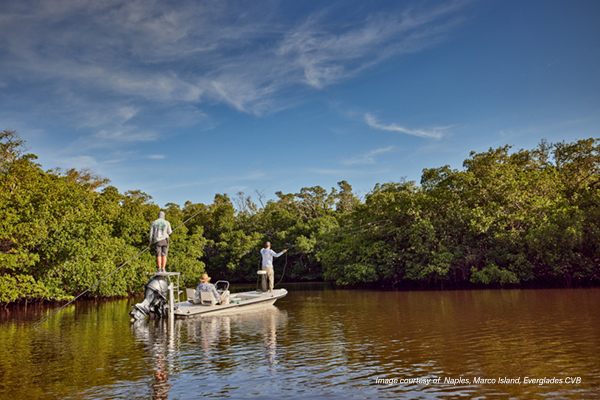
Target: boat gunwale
201	309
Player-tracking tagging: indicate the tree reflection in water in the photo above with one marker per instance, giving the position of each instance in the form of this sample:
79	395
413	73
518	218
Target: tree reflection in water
215	333
162	342
322	344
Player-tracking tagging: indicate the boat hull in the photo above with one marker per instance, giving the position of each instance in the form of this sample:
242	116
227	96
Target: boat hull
239	302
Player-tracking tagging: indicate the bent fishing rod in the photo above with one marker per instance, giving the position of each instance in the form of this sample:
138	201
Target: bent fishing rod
113	271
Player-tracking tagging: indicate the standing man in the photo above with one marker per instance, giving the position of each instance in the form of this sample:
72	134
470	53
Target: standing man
267	265
160	230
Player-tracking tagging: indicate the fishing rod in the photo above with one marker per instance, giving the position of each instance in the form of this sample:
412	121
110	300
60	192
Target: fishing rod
113	271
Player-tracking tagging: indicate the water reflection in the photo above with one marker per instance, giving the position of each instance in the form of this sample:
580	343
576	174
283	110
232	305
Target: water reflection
316	343
214	334
158	338
199	348
270	337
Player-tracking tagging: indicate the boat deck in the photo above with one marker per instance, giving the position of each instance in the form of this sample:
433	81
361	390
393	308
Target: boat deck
237	302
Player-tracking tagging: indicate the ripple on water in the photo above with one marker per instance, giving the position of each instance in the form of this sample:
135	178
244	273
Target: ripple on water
320	344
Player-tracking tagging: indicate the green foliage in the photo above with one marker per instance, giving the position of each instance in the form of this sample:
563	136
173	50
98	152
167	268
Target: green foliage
59	235
13	287
507	218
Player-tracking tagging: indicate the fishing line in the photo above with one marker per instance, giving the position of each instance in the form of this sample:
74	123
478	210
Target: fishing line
283	273
369	227
284	267
112	272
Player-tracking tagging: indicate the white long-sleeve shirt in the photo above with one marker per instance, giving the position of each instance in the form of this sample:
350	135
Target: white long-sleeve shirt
267	257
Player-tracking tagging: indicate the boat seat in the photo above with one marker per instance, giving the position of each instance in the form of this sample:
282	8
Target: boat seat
191	296
208	298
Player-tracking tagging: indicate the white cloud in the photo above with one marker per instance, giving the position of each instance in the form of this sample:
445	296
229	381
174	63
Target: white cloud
108	115
127	113
435	133
124	135
326	53
250	176
79	162
528	130
348	172
255	175
236	189
368	158
121	157
241	54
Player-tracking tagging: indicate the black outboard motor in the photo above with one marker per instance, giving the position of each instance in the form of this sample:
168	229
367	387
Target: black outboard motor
154	300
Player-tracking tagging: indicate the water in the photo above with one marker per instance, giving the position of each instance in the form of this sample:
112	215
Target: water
316	343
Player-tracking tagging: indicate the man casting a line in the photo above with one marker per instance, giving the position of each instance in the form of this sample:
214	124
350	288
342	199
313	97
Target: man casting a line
160	230
267	265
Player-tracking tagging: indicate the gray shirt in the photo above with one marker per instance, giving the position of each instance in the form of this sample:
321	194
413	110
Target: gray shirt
160	230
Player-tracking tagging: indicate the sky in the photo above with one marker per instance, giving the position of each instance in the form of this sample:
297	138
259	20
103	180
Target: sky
187	99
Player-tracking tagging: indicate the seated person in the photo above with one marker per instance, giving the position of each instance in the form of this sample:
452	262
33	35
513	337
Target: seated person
204	286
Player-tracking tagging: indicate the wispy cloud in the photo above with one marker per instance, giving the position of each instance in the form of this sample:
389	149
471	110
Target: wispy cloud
326	54
80	162
435	133
118	157
368	158
348	172
124	135
236	189
243	55
250	176
109	115
531	129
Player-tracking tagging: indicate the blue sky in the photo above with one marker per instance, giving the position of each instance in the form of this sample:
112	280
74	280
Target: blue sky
186	99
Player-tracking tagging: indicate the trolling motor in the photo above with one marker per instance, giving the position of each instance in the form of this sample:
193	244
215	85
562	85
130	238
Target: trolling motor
155	299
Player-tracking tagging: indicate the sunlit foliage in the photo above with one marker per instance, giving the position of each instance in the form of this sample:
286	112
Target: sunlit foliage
507	218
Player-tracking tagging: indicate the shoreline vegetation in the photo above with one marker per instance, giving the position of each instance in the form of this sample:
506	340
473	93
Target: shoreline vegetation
507	219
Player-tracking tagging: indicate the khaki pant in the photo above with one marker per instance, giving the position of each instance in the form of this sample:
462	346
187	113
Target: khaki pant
270	278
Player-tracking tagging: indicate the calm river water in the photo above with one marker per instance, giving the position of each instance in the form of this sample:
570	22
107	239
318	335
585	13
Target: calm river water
315	343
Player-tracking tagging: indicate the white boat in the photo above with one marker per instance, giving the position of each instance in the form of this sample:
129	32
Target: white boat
162	299
207	304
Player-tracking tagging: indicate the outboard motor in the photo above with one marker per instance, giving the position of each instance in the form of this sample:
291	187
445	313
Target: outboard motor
154	300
